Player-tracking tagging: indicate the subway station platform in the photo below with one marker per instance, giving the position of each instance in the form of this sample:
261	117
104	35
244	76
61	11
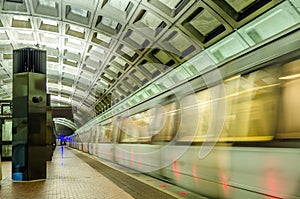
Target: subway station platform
74	174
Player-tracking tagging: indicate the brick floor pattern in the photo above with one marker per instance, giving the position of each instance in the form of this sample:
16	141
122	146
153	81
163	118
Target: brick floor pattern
67	177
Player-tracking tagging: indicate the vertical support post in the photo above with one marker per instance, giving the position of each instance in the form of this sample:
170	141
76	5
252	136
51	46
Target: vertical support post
29	115
49	131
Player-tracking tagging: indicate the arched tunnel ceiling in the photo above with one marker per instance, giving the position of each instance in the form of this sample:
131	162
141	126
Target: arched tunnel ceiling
101	51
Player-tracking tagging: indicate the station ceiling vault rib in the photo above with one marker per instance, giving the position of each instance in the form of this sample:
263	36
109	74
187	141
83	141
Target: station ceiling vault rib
99	52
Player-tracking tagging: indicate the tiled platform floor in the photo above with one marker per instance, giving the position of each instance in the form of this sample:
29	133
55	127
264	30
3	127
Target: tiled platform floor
68	176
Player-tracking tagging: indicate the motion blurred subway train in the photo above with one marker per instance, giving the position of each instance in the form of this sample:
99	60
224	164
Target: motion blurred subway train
230	132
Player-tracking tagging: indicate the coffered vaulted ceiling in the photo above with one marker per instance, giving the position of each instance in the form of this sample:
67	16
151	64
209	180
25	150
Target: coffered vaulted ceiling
99	52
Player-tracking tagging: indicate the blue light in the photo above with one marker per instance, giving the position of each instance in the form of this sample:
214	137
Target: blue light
61	137
17	176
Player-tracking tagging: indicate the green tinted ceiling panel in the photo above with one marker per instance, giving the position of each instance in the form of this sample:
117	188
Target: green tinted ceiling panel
239	5
296	3
227	47
153	89
191	69
205	22
279	19
179	74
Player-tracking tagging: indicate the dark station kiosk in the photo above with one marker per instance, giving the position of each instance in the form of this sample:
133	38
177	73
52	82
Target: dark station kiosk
29	115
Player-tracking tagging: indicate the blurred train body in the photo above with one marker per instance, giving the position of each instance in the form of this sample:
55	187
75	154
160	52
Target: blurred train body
244	144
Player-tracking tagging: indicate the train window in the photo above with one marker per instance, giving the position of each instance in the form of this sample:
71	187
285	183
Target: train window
94	134
89	135
135	128
98	133
106	133
195	117
251	106
84	136
156	124
251	109
123	127
289	111
165	122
